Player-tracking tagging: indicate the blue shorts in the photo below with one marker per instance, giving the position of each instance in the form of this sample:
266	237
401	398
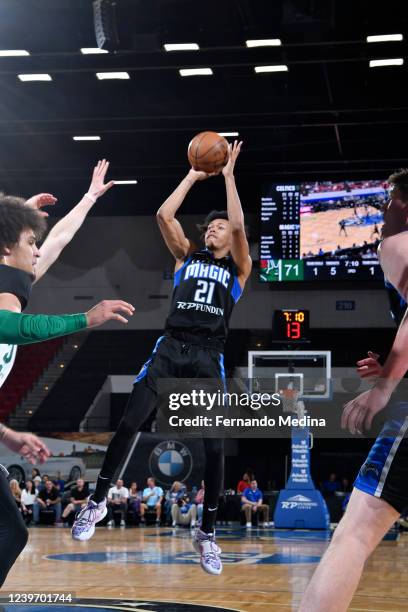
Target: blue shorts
384	474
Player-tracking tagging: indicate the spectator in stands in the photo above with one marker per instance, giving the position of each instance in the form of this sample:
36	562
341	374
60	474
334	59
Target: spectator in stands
117	501
15	491
345	485
152	499
59	483
199	501
79	497
176	491
38	483
331	485
35	472
135	498
252	502
48	498
184	512
28	498
244	483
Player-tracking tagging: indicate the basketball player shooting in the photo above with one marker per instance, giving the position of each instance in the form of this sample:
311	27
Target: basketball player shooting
207	284
380	492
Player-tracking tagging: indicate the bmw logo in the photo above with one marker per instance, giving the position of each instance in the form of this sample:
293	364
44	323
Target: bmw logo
170	460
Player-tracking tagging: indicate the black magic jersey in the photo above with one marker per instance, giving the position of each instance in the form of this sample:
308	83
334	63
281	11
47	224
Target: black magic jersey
205	291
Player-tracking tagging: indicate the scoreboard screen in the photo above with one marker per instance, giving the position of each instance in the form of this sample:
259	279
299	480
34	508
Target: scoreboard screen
321	230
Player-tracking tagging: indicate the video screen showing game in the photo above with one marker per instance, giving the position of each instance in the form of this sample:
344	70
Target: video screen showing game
321	230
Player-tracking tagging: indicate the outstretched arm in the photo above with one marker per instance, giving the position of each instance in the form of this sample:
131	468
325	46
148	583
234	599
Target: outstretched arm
240	247
63	232
177	242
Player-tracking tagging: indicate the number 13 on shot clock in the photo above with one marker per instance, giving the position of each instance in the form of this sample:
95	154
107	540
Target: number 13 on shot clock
290	325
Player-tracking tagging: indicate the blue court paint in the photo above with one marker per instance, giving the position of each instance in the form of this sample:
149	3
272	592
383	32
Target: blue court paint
155	557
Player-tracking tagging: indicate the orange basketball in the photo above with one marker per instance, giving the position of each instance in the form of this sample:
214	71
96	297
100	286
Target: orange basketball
208	152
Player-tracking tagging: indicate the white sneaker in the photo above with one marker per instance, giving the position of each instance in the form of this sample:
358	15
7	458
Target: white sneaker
266	524
205	545
122	523
174	524
193	523
248	525
110	524
84	524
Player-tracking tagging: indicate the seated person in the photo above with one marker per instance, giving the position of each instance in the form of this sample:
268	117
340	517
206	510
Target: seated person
331	485
199	502
135	498
16	492
118	500
28	498
251	500
152	499
78	498
243	484
172	496
183	512
48	498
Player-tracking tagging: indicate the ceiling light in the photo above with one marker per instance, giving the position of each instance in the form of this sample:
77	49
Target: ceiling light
34	77
385	38
129	182
181	47
13	53
228	133
92	50
112	75
86	137
276	68
264	42
386	62
195	71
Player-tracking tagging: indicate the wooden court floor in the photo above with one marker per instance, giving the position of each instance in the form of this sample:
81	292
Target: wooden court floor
321	230
158	564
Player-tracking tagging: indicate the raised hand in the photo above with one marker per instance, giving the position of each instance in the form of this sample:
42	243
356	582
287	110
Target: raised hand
233	152
108	310
199	175
369	367
39	201
98	187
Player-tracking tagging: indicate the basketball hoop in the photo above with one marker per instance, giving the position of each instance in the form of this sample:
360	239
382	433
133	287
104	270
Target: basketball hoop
289	398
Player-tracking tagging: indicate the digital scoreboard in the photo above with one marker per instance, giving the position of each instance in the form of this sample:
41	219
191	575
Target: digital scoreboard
290	325
321	231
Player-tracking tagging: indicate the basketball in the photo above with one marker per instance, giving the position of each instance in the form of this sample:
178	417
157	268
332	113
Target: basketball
208	152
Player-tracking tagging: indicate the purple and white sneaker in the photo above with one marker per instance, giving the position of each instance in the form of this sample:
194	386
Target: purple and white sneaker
205	545
84	524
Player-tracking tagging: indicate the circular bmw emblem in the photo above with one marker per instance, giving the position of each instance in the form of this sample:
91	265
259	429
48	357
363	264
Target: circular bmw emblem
170	460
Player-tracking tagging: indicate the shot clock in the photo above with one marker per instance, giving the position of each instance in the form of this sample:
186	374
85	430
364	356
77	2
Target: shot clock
290	325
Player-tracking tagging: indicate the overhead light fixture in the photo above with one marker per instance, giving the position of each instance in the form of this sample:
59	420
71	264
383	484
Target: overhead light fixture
181	47
35	77
13	53
185	72
104	76
398	61
86	138
276	68
228	133
92	50
385	38
264	42
129	182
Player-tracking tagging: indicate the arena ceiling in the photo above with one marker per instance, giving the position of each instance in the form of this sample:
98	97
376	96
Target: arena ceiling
329	116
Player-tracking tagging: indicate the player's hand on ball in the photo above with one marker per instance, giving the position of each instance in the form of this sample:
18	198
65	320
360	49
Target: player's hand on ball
98	187
199	175
369	367
39	201
358	414
109	310
233	152
26	444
